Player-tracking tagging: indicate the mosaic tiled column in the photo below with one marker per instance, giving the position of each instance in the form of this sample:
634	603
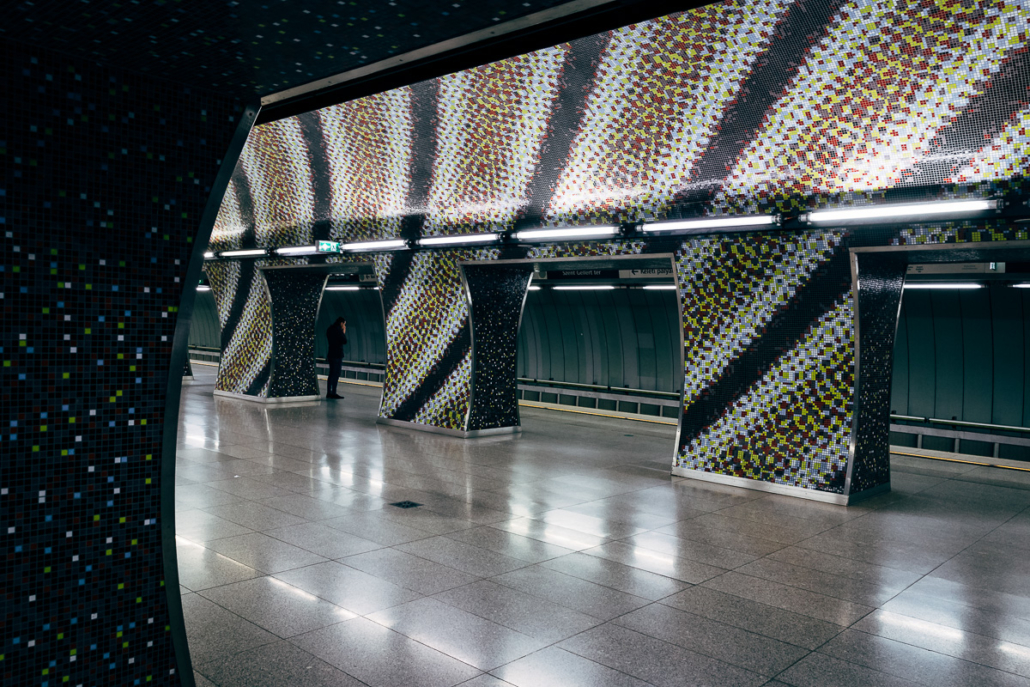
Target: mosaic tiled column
268	340
497	294
880	278
295	296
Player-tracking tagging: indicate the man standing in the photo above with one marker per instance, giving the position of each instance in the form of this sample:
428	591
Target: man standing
337	335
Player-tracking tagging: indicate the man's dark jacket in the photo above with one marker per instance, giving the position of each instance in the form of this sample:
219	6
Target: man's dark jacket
336	341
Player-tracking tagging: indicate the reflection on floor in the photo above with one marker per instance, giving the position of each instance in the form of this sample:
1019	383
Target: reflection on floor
570	557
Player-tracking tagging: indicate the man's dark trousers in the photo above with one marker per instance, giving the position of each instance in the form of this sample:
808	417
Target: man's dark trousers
334	375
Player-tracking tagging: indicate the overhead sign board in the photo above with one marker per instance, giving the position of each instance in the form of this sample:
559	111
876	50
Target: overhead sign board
651	273
328	246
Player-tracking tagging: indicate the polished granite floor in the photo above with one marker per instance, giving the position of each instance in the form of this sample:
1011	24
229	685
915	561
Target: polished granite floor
570	557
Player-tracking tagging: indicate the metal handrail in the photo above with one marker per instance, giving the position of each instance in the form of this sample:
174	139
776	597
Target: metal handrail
353	363
356	363
960	423
598	387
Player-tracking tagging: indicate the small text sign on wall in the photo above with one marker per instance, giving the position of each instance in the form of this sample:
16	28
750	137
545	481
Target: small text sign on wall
650	273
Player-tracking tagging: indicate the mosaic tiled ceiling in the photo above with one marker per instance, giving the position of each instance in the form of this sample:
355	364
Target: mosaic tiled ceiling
732	107
250	46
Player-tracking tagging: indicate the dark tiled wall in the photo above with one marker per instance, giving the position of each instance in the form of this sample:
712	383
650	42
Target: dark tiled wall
106	177
880	281
295	297
498	294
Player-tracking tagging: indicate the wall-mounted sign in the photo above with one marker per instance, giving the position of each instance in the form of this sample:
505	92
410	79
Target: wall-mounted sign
582	274
652	273
328	246
957	268
367	277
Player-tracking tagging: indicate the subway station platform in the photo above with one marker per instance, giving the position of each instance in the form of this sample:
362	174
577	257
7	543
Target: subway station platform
569	556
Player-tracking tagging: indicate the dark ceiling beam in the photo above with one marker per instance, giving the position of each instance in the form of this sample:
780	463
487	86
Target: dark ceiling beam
543	29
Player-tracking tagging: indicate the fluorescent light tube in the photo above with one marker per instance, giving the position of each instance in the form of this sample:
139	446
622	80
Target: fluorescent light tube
660	287
209	255
343	288
899	211
962	285
565	233
251	253
598	287
711	223
534	288
391	244
298	250
1022	285
451	240
203	288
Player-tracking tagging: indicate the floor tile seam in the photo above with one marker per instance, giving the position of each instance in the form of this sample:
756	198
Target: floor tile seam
444	653
497	622
940	653
695	560
272	576
811	591
662	641
221	658
573	577
597	663
717	622
523	564
834	574
839	628
528	562
807	591
987	638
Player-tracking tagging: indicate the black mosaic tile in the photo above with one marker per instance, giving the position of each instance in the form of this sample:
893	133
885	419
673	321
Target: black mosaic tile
497	295
249	47
295	297
106	178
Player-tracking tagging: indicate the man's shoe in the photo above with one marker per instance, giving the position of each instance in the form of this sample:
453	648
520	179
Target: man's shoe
334	396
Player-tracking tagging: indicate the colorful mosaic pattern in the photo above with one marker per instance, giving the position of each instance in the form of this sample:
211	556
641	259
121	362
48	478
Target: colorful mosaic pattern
368	149
428	342
867	104
731	287
659	95
245	313
492	123
727	108
792	427
278	172
106	177
230	226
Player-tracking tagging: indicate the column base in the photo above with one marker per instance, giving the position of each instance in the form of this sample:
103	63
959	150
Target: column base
278	400
463	434
783	489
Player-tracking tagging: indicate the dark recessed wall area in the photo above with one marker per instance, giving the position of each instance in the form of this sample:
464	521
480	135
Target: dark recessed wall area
963	355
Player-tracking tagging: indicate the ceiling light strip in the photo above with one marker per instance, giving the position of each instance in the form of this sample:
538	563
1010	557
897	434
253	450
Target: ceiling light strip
248	253
559	234
942	286
711	223
456	240
891	212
